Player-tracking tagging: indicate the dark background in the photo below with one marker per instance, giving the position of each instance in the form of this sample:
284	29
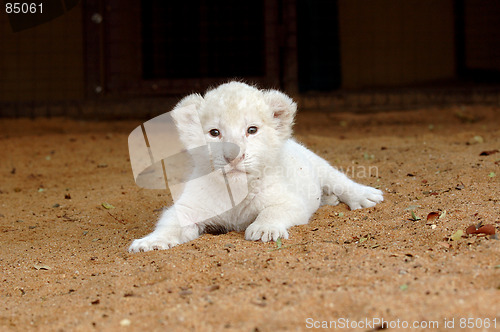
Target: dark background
112	51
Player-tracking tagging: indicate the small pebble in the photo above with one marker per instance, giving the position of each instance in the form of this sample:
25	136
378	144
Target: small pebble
213	288
125	322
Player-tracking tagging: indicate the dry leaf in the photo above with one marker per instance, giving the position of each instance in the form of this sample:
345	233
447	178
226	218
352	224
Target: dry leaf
487	153
42	267
414	217
457	235
432	216
471	230
445	245
107	206
488	229
476	140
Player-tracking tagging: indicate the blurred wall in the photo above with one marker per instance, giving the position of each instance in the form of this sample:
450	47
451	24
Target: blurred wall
348	43
44	63
482	35
395	42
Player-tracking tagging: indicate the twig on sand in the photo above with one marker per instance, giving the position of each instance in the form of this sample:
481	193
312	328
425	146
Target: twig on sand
120	221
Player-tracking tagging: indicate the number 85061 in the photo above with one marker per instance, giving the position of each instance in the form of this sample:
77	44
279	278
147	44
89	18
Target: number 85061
23	8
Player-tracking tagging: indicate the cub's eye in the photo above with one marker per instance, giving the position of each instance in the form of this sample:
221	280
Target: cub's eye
214	132
252	130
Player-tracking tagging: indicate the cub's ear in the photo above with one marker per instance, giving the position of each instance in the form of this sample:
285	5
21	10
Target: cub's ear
185	118
193	99
187	121
284	109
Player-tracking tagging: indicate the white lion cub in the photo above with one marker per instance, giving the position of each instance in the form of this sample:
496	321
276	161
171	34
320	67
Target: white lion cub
284	182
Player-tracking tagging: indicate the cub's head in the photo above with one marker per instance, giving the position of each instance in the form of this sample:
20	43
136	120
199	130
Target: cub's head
243	126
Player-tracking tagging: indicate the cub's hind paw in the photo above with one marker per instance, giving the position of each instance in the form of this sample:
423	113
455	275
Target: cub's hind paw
331	199
364	197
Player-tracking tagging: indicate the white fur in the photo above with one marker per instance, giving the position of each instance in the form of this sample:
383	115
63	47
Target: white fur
286	181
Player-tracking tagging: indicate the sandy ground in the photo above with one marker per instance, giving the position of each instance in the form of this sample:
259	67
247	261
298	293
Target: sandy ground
64	264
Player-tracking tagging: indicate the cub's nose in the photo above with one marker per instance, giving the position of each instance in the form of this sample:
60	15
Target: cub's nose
234	159
231	152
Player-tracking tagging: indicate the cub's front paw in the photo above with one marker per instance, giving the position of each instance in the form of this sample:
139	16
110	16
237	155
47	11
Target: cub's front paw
153	242
361	196
265	233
